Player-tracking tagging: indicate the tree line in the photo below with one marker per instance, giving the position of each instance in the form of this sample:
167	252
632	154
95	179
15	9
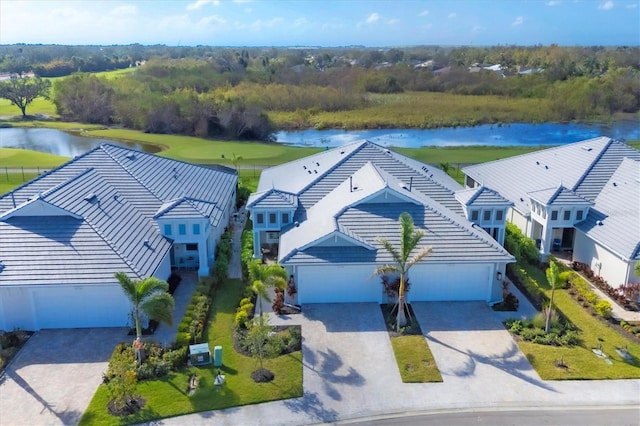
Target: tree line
228	92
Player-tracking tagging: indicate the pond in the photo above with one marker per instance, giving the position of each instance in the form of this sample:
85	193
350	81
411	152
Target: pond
69	145
58	142
519	134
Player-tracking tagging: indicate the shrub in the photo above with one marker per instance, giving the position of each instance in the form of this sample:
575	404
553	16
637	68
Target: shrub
176	358
564	278
520	246
603	308
183	339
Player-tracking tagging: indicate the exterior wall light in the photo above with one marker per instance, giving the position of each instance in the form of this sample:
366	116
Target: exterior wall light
499	276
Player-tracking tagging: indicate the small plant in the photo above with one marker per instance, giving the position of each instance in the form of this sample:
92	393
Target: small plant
603	308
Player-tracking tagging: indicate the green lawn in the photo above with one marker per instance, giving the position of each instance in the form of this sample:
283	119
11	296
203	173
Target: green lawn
581	361
38	106
9	181
168	397
415	361
16	158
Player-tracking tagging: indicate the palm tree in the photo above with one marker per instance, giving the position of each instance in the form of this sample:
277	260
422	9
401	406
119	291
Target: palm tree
264	276
409	239
552	276
149	297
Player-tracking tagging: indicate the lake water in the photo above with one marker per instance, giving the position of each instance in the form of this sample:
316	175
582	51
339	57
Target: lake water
58	142
69	145
505	135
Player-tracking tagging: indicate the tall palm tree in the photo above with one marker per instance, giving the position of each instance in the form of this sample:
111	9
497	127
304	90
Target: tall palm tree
409	239
552	277
264	276
148	297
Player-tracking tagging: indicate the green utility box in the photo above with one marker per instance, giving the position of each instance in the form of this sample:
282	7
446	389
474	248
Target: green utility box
217	356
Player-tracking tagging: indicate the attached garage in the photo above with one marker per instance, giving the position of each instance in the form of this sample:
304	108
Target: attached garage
338	284
65	307
450	282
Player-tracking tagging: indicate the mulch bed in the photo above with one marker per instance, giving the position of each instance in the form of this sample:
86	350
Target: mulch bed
389	314
134	405
238	334
262	375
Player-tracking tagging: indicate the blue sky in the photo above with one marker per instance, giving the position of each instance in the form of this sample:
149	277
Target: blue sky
322	22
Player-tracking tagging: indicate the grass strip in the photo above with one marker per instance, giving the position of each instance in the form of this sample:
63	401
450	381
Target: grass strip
415	360
168	397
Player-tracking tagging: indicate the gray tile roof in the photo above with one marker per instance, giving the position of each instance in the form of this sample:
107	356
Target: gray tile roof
481	196
187	207
558	196
273	198
583	167
110	196
358	197
614	221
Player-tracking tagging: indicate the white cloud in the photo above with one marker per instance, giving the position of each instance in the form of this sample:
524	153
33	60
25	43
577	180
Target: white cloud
393	21
553	3
213	19
477	29
452	15
126	10
259	25
373	18
607	5
423	13
631	6
199	3
518	21
301	22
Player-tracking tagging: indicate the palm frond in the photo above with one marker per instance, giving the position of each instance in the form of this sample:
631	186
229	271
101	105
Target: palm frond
159	306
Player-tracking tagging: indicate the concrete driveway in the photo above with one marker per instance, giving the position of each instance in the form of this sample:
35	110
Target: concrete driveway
55	375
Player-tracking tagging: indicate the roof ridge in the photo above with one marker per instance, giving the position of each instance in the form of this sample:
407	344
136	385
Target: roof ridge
126	169
475	195
592	165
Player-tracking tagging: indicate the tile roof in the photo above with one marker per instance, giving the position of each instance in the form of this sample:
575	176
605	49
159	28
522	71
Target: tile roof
558	196
110	195
358	196
614	221
273	198
481	196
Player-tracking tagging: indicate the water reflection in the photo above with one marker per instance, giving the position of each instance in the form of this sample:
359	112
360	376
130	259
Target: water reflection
508	135
58	142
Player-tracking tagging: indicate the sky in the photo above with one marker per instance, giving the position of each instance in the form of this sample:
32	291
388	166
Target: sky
373	23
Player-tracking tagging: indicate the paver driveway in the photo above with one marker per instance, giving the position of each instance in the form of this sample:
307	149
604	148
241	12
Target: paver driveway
55	375
350	372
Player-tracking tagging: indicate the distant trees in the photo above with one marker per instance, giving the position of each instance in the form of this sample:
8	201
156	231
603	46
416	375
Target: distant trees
84	98
22	90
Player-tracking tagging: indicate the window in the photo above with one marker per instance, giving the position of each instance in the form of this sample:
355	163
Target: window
579	215
486	215
499	214
554	214
167	229
567	215
285	217
182	229
192	247
260	218
272	218
475	214
196	229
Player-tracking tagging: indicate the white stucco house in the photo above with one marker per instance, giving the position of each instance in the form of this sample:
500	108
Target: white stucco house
582	198
322	217
65	234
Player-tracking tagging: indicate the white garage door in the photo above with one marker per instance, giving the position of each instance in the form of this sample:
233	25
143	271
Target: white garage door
341	284
450	283
80	307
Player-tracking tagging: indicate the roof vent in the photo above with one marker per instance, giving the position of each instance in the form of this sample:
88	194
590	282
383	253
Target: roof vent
546	167
587	148
92	198
341	152
147	243
599	223
296	223
304	167
615	184
537	163
309	171
1	266
131	156
317	164
521	199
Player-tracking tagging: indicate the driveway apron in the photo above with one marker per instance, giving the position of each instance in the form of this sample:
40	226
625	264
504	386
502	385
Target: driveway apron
55	375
